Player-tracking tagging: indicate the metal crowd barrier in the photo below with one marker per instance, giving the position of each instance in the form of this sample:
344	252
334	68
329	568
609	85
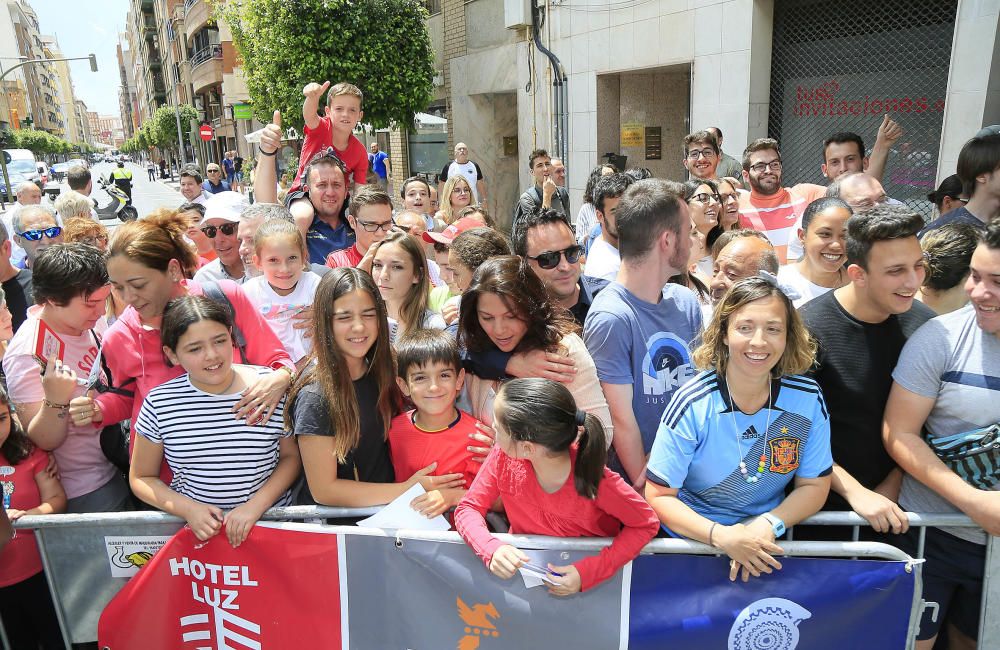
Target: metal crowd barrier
76	558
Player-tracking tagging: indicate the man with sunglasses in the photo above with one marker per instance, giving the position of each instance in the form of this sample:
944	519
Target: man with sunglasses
221	225
603	260
547	242
371	218
35	229
770	208
215	183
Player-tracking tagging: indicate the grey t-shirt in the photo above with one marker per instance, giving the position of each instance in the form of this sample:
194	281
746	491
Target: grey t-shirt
648	346
951	360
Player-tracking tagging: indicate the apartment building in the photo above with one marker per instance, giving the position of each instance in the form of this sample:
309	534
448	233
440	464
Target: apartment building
640	74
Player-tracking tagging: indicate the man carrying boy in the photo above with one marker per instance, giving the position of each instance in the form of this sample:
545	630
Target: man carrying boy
435	431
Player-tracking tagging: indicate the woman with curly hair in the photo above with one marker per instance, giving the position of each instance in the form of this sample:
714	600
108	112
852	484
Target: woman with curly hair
507	308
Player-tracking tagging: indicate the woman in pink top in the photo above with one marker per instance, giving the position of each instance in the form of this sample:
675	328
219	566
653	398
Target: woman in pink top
548	468
149	263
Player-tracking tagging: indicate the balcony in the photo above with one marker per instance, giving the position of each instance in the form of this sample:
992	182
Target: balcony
206	67
197	14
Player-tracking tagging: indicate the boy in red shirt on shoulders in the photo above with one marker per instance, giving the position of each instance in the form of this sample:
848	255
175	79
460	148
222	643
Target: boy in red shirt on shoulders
334	129
431	375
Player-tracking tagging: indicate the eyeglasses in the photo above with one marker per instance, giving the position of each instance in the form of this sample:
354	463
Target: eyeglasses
93	241
461	190
228	229
368	226
550	259
36	235
726	197
705	198
700	153
214	171
330	153
774	166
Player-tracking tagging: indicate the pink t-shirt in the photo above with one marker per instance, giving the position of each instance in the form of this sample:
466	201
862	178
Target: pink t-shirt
355	157
82	465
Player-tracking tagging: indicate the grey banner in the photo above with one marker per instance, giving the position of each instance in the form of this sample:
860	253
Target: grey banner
424	595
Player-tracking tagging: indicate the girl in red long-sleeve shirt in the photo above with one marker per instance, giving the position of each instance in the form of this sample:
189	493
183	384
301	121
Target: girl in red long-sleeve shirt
548	468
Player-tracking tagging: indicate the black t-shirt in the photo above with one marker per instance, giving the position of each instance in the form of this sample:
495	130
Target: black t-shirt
854	367
18	292
958	215
371	456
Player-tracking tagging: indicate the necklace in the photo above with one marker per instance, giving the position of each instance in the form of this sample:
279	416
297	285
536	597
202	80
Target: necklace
739	446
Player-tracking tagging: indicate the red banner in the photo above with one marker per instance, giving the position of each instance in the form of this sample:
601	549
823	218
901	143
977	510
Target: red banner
279	589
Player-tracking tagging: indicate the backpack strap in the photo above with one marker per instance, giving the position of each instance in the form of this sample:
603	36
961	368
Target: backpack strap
215	293
99	386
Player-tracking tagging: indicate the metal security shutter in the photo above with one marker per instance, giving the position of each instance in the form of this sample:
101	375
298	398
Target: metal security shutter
840	66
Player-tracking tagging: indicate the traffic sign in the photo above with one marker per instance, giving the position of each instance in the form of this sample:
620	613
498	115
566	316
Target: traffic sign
206	132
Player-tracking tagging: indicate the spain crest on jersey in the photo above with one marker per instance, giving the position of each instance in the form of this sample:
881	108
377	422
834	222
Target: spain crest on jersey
784	454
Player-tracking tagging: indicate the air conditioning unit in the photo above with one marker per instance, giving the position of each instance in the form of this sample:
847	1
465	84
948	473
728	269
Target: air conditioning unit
516	13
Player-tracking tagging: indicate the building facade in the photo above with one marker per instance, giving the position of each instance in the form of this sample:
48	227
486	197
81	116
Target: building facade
640	75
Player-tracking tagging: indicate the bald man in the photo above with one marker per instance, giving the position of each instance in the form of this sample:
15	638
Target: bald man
462	165
27	193
743	257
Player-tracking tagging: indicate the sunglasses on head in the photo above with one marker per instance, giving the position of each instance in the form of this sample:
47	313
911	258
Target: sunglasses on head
228	229
330	153
36	235
550	259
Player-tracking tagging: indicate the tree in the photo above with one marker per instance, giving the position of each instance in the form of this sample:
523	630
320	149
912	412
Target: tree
381	46
162	127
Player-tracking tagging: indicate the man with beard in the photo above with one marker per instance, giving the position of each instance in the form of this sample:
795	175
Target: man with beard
639	331
702	155
769	207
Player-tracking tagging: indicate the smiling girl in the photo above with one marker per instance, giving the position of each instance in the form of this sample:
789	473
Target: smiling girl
824	239
340	408
218	463
399	268
286	286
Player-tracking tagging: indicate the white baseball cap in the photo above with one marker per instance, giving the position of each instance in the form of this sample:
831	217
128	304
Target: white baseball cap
227	206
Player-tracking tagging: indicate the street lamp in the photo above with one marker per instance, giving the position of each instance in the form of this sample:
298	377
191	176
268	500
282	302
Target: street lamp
93	68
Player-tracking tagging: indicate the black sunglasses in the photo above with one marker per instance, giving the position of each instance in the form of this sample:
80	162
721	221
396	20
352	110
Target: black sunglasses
36	235
550	259
330	153
228	229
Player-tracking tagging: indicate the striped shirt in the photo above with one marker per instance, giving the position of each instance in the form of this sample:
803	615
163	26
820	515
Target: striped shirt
215	458
779	214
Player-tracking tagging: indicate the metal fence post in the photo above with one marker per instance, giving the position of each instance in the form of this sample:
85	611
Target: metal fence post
989	626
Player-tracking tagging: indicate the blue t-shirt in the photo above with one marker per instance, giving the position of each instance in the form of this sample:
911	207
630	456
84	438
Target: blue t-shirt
643	344
223	186
322	239
698	450
377	162
958	215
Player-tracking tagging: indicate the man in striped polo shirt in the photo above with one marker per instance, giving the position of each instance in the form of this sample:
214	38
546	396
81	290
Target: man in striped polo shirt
769	207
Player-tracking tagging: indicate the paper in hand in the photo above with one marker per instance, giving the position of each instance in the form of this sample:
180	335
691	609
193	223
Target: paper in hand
399	514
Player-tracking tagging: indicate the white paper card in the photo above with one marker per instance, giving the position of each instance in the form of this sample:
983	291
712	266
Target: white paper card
399	514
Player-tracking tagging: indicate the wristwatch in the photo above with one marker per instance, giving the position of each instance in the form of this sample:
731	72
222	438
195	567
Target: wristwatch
777	525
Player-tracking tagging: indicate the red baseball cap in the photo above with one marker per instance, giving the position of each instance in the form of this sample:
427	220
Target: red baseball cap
449	234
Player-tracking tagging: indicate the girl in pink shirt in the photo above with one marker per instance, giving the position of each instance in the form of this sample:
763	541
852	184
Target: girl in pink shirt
548	467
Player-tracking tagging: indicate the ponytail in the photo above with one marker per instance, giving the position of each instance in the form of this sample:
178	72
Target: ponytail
544	412
591	457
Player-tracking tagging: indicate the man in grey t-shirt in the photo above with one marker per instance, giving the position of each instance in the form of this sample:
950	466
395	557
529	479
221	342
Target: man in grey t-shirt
947	381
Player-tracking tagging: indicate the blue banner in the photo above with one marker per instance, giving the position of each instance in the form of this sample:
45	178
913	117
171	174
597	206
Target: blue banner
814	604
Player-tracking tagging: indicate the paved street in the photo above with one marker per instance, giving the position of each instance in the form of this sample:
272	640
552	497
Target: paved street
146	195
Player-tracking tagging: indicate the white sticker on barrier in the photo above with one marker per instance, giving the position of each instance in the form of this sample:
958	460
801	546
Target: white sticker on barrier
126	555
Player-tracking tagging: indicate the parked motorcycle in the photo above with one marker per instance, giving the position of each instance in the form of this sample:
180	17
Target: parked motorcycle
120	205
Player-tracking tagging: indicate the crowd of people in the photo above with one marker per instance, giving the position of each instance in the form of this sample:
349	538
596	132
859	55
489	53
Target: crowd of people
717	359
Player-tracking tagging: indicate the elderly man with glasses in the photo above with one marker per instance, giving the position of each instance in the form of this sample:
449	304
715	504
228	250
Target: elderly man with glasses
221	225
35	229
214	183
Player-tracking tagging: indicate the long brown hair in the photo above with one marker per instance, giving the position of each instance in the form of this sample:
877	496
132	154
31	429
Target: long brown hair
17	446
330	368
414	305
510	278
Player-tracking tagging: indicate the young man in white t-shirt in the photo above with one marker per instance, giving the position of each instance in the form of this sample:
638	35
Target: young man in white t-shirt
603	259
70	288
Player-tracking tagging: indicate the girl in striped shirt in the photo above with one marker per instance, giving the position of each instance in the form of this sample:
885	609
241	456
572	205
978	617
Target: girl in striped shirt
219	462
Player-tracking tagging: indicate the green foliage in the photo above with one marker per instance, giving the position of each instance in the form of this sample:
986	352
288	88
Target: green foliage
161	130
381	46
38	142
